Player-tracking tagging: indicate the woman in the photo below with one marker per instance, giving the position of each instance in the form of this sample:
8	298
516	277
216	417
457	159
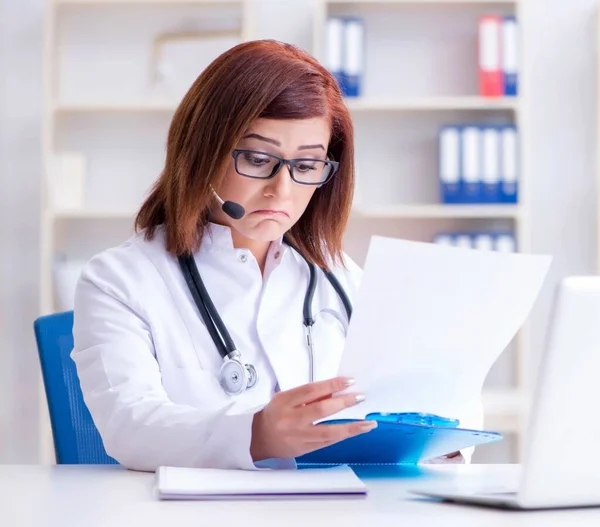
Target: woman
261	147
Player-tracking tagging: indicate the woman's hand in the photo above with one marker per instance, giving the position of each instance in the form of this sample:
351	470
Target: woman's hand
453	458
284	428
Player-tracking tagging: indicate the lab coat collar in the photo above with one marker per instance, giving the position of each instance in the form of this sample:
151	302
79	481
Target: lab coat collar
219	236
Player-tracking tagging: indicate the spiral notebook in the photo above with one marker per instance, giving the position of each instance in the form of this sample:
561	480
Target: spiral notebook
176	483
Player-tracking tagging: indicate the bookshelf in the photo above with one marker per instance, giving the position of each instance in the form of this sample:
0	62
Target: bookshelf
362	105
118	128
429	80
88	43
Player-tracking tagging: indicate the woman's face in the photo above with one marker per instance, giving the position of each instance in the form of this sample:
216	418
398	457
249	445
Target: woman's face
273	205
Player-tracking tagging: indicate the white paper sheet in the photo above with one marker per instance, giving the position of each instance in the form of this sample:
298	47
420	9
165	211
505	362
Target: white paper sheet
430	321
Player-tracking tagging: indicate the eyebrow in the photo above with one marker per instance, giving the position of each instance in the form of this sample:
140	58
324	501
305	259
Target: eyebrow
277	143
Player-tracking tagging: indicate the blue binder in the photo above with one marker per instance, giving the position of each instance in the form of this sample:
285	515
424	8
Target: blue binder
510	51
405	438
509	186
353	57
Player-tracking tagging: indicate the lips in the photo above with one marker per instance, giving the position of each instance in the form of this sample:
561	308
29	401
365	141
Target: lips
272	212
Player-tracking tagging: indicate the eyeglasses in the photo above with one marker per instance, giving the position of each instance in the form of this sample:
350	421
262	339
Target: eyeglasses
260	165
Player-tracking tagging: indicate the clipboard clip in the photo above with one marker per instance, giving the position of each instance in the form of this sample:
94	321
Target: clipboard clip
413	418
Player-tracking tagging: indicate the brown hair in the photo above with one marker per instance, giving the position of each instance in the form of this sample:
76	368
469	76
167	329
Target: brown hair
267	79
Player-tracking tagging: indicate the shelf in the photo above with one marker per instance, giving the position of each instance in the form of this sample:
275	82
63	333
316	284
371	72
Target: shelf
438	211
91	215
408	2
434	103
355	105
394	211
113	107
146	2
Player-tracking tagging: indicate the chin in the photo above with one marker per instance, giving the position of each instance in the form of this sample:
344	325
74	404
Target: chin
268	230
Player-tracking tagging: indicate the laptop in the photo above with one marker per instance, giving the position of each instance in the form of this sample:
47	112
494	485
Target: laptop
561	464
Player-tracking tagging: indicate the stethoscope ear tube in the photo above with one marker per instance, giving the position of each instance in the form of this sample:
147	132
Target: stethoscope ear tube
308	297
204	313
210	307
235	376
312	284
335	283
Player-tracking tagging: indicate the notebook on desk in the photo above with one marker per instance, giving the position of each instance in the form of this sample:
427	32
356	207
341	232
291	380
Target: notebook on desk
175	483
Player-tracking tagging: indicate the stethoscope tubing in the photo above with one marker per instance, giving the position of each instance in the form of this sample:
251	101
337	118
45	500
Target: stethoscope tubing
215	325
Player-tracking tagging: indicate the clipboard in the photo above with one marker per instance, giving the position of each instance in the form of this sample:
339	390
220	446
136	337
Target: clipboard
400	438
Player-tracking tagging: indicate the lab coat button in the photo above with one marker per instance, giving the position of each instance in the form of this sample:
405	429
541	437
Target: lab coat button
243	258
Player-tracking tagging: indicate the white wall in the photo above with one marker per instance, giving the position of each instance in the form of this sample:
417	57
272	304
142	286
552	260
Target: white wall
561	73
561	70
20	162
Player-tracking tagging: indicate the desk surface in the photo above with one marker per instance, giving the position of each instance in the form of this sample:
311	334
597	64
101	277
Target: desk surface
65	496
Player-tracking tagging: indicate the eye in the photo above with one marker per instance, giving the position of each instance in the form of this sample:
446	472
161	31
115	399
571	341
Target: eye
305	167
256	159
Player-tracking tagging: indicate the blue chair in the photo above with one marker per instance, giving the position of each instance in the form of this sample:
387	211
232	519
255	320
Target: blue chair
76	438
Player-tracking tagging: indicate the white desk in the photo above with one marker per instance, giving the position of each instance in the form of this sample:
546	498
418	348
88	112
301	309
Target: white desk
90	496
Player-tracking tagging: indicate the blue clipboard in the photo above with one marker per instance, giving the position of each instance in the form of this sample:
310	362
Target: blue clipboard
400	438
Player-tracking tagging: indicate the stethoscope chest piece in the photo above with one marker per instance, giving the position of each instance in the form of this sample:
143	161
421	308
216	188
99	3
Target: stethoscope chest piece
234	376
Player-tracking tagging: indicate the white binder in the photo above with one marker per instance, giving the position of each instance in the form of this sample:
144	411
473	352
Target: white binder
491	164
471	163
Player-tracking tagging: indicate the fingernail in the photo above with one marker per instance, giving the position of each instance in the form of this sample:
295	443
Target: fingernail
349	382
359	398
369	425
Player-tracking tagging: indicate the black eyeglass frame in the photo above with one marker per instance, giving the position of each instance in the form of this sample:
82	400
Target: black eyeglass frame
281	162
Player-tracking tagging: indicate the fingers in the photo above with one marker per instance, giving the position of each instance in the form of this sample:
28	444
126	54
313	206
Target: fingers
315	390
333	433
329	406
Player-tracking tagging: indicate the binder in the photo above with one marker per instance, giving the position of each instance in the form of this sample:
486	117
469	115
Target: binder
510	165
353	58
483	242
480	240
490	164
510	69
471	164
334	39
405	438
449	164
463	240
443	239
491	81
506	243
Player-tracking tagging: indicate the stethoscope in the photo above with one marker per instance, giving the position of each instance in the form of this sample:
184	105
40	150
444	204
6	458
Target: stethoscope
235	376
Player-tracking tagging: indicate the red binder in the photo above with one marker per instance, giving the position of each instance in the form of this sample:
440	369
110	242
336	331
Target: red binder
491	82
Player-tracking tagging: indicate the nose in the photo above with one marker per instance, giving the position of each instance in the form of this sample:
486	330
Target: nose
282	184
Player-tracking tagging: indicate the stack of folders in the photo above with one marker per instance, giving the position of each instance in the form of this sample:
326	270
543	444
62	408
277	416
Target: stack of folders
478	164
503	242
498	56
344	53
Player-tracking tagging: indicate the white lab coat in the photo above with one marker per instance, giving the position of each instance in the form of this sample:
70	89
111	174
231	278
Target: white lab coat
148	368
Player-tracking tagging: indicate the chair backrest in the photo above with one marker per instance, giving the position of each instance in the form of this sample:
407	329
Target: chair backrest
76	438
